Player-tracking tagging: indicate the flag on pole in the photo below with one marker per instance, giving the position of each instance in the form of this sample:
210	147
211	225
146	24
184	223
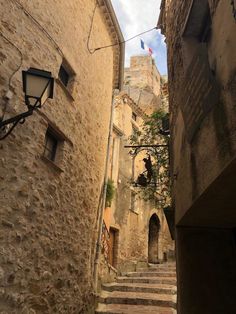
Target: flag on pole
145	47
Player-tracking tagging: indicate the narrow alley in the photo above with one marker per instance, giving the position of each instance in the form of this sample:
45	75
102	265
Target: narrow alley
117	157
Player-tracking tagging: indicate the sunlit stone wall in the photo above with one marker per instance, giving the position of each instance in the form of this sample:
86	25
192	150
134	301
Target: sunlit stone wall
48	209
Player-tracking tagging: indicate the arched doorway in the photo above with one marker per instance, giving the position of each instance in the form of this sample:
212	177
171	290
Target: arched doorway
153	234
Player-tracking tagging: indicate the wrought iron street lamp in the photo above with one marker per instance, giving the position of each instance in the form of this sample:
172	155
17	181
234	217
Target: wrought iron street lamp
38	87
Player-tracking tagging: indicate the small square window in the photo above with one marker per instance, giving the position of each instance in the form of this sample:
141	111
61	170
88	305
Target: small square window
64	75
50	147
134	116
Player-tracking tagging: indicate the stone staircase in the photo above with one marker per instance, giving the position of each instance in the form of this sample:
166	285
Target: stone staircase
151	290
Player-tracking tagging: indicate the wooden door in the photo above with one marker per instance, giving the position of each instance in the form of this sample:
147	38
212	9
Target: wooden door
111	247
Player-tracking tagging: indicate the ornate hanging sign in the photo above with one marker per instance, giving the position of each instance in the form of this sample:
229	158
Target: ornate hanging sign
149	177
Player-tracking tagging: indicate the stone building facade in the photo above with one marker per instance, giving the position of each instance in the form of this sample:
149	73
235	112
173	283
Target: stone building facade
49	203
137	229
201	45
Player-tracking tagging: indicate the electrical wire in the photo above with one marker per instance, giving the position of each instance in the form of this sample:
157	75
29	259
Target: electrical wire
92	51
21	55
21	59
91	28
40	26
13	73
125	41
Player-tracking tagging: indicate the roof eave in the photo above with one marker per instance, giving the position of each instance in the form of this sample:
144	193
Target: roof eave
121	46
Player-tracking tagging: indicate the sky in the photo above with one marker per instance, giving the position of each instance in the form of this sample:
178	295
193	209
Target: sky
137	16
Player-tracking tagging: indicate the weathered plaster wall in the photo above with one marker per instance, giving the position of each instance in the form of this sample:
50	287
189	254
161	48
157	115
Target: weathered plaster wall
48	212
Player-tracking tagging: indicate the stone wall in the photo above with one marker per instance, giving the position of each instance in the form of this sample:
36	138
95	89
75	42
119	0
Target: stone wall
48	209
143	73
215	129
143	83
202	72
130	215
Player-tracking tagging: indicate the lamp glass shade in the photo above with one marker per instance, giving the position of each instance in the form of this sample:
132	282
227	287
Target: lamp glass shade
37	85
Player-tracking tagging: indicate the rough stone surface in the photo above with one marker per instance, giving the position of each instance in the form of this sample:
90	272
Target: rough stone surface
129	214
143	83
193	166
203	165
48	209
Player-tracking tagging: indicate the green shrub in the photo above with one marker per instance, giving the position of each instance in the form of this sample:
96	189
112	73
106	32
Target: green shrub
110	192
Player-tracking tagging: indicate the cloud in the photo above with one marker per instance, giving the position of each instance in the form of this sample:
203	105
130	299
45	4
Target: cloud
137	16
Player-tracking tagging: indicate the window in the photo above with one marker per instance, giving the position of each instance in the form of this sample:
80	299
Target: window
54	147
132	201
196	32
199	78
134	116
198	21
115	159
64	75
50	147
205	32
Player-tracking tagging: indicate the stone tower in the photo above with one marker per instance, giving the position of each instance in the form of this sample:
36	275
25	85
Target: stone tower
143	83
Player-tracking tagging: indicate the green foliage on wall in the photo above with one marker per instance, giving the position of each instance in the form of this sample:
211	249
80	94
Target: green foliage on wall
110	192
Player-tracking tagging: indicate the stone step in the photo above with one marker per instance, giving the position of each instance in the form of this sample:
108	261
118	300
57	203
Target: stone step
155	273
156	267
145	288
171	264
132	309
138	298
150	280
169	268
151	270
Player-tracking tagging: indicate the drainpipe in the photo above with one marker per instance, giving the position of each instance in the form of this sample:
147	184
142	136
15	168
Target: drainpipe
104	191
